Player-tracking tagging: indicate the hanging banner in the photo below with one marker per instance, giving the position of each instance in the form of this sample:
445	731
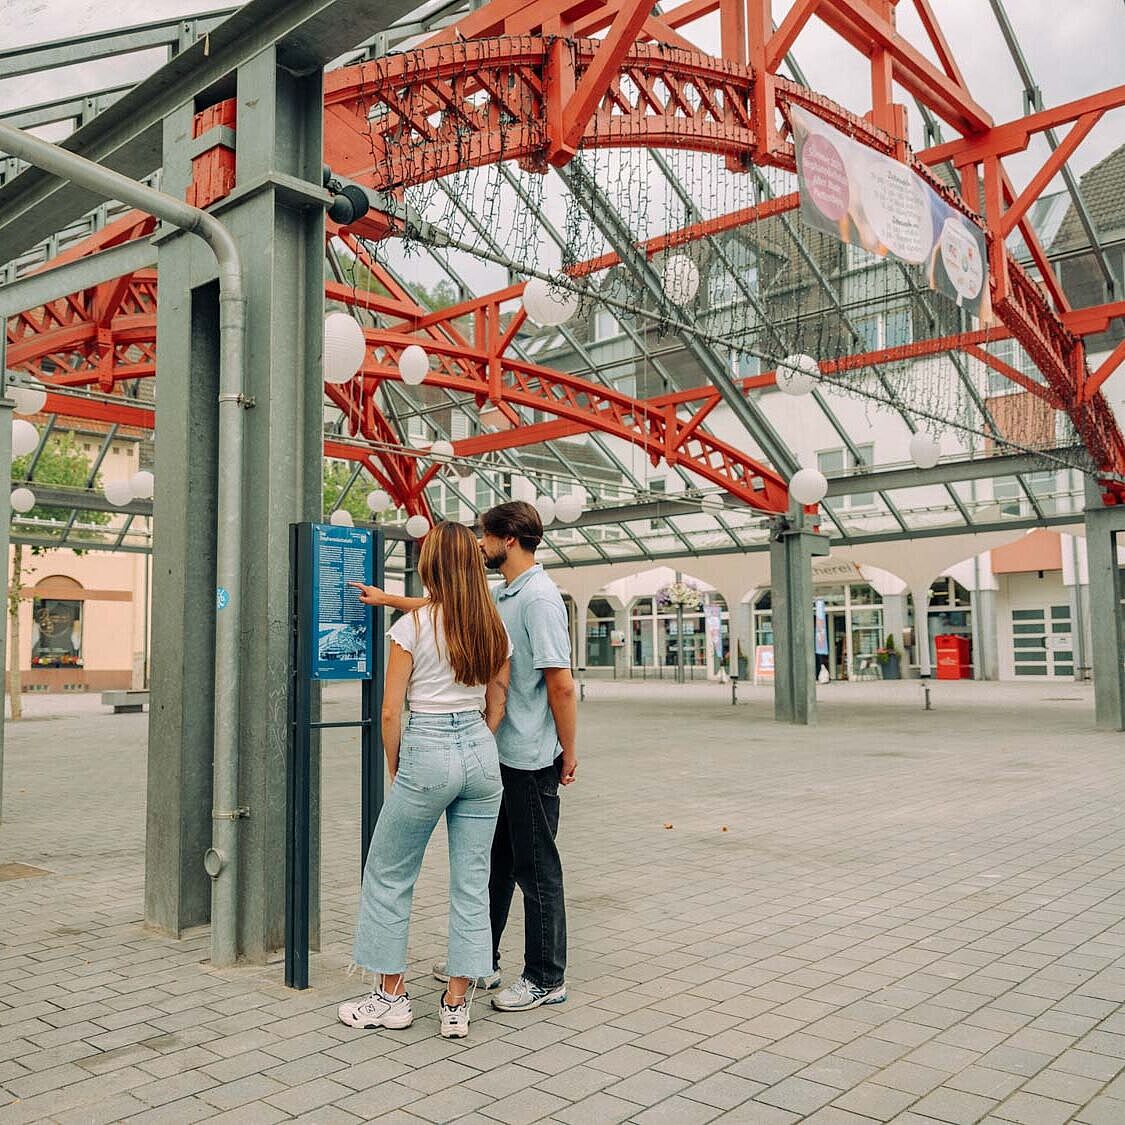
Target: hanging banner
867	199
820	628
714	618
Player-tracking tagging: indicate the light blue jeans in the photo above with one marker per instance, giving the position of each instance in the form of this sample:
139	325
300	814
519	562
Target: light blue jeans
447	764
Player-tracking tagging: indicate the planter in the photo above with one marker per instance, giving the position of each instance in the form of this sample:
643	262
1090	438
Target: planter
892	669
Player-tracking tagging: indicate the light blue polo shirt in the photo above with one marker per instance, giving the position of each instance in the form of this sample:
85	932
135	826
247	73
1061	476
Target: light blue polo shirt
533	612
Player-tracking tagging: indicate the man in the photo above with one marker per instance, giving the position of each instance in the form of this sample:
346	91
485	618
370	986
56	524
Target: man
536	741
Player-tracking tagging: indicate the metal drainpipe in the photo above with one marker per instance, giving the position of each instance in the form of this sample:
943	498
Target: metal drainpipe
222	859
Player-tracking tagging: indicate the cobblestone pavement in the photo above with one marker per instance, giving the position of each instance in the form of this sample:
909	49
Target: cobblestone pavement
898	915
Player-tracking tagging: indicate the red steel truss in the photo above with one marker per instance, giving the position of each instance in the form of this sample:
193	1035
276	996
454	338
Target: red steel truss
526	80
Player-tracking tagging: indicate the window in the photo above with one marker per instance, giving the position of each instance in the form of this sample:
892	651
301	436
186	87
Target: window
837	462
858	258
1009	352
658	486
1006	492
744	366
606	325
890	328
725	285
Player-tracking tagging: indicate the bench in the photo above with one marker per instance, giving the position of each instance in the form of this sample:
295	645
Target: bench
125	702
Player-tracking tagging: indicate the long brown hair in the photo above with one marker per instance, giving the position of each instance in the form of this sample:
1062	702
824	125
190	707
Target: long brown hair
452	571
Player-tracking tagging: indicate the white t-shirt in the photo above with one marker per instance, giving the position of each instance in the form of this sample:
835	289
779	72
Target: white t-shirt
433	690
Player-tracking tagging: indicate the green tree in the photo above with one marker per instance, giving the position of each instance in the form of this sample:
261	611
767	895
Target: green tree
336	476
62	462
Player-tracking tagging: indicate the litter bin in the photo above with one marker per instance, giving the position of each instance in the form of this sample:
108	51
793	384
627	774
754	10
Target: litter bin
953	657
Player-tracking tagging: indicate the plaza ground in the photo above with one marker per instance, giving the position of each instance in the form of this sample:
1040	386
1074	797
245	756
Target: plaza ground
898	915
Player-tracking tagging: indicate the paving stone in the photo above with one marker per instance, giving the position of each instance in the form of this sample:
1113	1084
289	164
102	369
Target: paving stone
525	1106
1031	1109
600	1108
647	1087
869	1099
723	1090
945	1104
798	1095
677	1111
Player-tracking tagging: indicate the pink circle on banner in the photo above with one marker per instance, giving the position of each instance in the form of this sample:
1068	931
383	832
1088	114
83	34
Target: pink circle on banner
825	177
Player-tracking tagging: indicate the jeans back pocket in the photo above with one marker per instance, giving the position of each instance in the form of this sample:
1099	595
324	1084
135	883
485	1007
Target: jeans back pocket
423	763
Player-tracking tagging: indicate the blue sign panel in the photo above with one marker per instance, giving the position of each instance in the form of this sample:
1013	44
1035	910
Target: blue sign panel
342	643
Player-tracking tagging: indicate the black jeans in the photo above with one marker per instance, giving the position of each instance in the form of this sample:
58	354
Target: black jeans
524	854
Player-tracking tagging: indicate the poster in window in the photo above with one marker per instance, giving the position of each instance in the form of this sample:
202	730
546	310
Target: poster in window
56	640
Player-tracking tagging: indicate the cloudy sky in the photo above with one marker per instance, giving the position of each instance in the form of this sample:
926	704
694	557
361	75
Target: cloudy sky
1066	43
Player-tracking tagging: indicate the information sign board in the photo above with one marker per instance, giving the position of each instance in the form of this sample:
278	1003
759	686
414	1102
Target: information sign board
341	640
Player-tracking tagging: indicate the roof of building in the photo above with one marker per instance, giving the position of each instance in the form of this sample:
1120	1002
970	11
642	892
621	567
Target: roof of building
1103	188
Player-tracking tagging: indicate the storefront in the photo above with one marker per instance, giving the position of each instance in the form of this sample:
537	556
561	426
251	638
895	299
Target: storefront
601	624
655	639
852	631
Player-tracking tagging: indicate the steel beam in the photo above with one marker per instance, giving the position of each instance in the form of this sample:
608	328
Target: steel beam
83	273
127	136
104	44
948	472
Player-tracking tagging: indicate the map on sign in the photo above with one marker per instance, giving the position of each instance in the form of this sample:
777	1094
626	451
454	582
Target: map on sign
342	642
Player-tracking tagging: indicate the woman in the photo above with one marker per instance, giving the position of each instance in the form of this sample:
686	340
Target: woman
449	660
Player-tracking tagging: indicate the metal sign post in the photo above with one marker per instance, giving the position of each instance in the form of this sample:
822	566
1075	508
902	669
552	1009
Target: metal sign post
333	636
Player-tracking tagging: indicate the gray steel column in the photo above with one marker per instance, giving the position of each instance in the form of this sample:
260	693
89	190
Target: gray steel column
276	216
986	651
181	710
793	544
412	584
5	534
1107	624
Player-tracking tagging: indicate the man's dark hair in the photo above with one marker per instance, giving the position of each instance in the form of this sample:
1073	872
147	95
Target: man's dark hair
514	520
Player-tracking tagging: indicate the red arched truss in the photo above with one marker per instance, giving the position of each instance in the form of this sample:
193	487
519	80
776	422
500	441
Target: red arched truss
525	80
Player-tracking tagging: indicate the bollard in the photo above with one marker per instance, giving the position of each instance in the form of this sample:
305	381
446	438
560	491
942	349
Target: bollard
733	690
581	685
926	694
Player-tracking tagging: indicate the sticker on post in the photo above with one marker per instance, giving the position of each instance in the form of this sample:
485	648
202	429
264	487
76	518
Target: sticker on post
222	597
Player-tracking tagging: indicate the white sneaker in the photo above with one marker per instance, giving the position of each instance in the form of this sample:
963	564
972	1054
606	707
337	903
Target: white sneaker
377	1009
523	996
454	1021
491	981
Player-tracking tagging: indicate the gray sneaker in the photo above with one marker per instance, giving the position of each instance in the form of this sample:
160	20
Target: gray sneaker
523	996
491	981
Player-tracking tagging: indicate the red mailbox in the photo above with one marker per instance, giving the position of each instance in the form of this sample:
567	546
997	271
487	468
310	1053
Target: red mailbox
953	657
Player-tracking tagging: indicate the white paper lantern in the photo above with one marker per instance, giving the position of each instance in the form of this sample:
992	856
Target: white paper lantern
680	278
797	374
568	508
23	500
341	517
417	527
143	484
925	450
808	486
549	305
378	501
442	451
545	506
344	347
711	504
28	395
413	365
25	438
118	492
